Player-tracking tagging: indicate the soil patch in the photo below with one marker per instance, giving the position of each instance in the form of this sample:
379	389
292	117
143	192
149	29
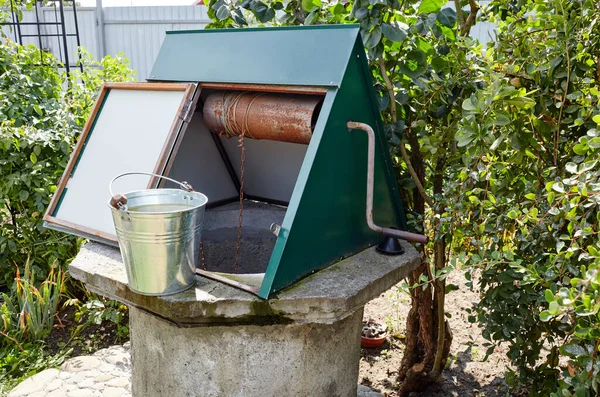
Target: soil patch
466	374
85	340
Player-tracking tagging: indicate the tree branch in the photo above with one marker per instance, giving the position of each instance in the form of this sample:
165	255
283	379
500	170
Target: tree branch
564	98
466	28
390	88
459	13
411	170
13	216
414	175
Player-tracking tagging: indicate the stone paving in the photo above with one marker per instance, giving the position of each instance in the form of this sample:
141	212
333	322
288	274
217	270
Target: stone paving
106	373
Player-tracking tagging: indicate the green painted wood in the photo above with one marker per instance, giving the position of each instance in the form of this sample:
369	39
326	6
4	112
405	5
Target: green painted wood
310	56
325	220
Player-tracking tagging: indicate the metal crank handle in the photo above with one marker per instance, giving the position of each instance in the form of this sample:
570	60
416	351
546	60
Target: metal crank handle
412	237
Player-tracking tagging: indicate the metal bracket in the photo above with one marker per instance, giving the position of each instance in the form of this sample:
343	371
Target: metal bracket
275	229
187	111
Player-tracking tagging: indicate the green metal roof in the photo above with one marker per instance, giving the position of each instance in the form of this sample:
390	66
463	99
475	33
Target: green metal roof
309	56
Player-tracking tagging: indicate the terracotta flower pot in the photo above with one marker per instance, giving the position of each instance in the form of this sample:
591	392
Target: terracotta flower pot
372	342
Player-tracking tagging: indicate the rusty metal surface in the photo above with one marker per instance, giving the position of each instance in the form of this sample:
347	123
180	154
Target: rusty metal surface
261	115
413	237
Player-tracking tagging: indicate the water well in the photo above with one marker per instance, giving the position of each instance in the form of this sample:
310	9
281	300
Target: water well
277	305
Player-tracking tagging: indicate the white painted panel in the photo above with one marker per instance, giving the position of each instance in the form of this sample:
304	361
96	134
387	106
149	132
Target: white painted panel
129	134
198	162
271	169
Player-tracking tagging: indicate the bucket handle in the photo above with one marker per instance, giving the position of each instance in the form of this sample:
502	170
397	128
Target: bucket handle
119	201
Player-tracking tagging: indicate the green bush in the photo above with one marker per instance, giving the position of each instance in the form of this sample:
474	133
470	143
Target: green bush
42	112
529	193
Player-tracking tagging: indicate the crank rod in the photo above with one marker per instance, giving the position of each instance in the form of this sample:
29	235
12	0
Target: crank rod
386	231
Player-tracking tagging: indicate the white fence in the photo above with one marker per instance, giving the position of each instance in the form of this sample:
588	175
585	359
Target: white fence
138	32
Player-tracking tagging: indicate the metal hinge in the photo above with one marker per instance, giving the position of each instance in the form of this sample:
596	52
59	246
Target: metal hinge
188	111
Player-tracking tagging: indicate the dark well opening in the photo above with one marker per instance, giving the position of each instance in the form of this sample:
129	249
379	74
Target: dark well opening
277	128
221	230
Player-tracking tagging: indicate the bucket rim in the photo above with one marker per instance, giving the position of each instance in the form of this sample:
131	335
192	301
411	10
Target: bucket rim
202	196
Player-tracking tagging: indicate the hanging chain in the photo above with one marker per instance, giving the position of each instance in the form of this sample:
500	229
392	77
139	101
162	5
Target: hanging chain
203	258
233	128
241	216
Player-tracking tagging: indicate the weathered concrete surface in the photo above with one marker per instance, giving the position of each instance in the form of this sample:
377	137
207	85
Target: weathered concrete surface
295	360
107	373
326	296
215	340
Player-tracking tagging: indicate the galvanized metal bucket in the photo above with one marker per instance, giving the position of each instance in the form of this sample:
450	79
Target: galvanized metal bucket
159	234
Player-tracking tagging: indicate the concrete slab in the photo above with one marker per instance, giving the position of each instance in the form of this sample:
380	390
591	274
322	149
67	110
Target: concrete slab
324	297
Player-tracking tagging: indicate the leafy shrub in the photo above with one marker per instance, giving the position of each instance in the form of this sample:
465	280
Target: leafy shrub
42	112
528	193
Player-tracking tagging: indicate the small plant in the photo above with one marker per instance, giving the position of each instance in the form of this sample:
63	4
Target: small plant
29	314
97	310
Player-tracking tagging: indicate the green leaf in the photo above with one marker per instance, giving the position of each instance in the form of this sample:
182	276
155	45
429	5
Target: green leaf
384	100
310	17
414	64
558	187
238	17
549	296
464	139
310	5
374	38
361	13
555	62
573	350
470	104
430	6
596	119
545	316
498	141
530	196
393	33
33	157
594	143
580	149
222	12
512	214
23	195
338	9
571	167
447	17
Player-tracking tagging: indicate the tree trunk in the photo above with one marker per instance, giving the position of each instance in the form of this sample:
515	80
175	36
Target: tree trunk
425	353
